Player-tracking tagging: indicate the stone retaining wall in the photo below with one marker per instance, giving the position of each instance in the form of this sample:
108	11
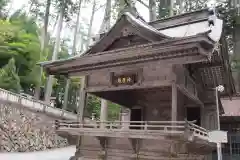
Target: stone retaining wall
24	131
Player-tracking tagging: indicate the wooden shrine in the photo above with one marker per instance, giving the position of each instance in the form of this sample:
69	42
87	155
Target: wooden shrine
164	73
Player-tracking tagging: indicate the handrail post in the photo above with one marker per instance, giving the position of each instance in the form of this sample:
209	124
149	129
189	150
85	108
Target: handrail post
111	125
62	114
19	100
187	127
145	126
57	124
7	96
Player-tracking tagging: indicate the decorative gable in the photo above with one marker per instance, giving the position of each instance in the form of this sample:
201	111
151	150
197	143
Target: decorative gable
127	26
127	41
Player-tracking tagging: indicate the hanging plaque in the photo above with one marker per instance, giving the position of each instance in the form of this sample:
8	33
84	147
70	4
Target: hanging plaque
124	79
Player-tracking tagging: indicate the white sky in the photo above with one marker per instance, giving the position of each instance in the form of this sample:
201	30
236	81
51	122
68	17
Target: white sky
67	33
86	12
85	15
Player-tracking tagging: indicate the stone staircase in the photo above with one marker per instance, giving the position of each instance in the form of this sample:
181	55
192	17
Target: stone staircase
34	105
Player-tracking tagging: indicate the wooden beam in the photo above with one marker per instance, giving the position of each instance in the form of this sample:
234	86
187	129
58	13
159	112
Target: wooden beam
190	96
177	60
152	84
206	65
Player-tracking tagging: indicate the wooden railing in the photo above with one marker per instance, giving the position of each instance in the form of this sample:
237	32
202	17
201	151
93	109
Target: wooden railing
197	130
35	105
135	127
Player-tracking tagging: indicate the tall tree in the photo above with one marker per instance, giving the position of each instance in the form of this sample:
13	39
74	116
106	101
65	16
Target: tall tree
171	12
44	42
127	6
68	80
65	9
48	91
89	36
164	7
152	10
104	28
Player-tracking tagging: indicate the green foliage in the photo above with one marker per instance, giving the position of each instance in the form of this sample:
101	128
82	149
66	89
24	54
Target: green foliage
94	106
9	79
113	111
3	4
68	6
28	24
163	8
19	40
235	65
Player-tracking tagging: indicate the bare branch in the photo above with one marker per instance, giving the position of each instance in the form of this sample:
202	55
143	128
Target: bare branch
143	3
99	7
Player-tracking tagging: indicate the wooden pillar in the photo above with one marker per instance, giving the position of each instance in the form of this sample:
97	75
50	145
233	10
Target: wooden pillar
203	117
80	110
104	112
174	103
174	111
66	92
125	117
104	141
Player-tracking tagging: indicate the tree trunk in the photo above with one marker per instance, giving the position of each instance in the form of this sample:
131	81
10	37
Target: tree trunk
48	92
104	28
43	45
30	8
68	81
236	55
152	10
90	24
171	11
181	8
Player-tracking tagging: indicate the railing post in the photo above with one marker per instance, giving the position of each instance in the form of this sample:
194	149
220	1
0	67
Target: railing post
19	100
145	126
7	96
174	105
62	114
125	118
186	125
111	127
187	131
57	124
